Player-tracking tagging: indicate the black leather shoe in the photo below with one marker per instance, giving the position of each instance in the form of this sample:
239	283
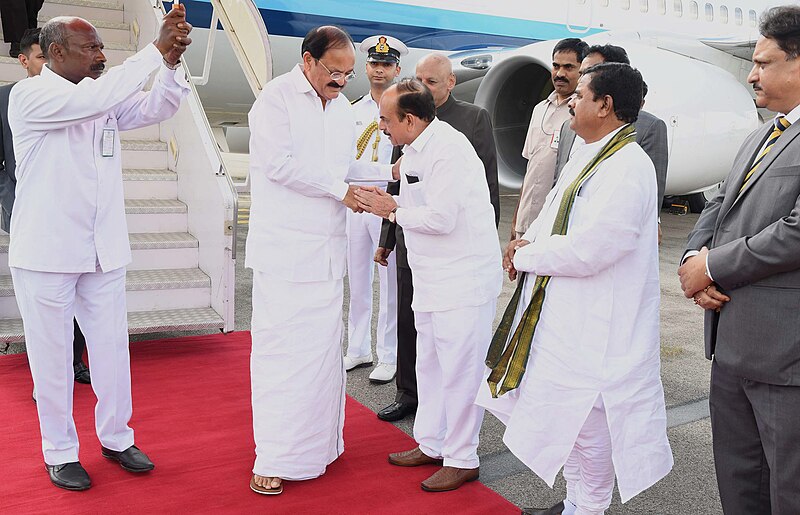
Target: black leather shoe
15	50
69	476
552	510
397	411
131	459
82	373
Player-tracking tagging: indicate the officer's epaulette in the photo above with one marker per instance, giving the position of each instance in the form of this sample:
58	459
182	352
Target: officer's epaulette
358	99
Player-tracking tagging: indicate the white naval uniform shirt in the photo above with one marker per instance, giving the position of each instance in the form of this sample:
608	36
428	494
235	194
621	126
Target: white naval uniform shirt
69	213
448	222
301	156
366	111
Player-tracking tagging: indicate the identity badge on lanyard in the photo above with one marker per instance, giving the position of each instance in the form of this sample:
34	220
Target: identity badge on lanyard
109	133
554	139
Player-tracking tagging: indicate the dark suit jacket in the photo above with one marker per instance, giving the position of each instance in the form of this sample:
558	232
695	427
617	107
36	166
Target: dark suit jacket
475	124
8	181
754	257
651	135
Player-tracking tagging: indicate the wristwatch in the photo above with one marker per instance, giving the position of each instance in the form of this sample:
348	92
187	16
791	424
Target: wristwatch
392	215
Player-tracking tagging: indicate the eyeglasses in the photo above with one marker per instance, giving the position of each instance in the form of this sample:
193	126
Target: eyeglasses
337	76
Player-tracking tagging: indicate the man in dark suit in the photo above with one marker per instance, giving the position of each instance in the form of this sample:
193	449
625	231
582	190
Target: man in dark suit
742	266
18	16
651	131
32	59
436	72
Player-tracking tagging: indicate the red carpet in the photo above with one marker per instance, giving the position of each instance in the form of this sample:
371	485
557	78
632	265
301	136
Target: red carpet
192	416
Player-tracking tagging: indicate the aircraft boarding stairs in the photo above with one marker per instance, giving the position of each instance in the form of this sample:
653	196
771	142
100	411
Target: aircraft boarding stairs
180	204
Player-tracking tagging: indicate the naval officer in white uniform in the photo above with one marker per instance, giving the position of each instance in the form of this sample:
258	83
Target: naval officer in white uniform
69	241
364	229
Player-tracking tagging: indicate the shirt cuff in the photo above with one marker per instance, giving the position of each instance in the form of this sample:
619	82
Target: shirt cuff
339	190
693	253
399	214
708	272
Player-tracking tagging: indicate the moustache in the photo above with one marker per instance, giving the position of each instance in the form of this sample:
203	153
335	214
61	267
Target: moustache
561	80
98	67
756	87
334	84
571	112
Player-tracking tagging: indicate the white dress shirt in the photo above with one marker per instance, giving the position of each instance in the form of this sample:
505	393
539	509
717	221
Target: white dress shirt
69	214
448	222
301	156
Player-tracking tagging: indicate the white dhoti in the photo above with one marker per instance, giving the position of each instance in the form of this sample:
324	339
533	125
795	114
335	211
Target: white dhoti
48	302
451	348
363	235
297	376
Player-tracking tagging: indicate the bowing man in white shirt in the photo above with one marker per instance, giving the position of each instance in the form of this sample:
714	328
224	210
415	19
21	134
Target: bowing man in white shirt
448	222
302	136
68	258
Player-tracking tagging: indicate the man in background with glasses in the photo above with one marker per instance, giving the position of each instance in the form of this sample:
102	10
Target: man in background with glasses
301	148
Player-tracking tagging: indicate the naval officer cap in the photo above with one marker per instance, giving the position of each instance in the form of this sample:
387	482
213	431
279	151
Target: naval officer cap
383	49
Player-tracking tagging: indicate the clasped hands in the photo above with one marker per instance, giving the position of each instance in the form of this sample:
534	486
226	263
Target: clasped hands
508	256
697	285
173	39
370	199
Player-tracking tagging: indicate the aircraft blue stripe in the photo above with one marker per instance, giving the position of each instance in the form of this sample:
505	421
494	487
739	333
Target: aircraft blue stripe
420	27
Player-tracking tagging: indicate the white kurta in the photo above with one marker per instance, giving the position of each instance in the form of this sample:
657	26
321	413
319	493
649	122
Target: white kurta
69	213
453	249
300	157
363	236
598	332
69	241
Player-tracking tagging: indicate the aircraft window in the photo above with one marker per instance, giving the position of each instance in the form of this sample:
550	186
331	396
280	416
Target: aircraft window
723	14
753	18
693	10
644	5
662	7
709	12
625	4
678	8
738	16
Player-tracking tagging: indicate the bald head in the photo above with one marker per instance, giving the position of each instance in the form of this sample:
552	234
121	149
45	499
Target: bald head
73	48
436	72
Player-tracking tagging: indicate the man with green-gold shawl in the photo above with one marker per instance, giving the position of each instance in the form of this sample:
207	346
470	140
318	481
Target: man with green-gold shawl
574	369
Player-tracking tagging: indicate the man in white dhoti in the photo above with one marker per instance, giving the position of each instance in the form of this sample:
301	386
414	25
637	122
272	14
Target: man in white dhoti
582	325
364	230
448	221
68	255
301	153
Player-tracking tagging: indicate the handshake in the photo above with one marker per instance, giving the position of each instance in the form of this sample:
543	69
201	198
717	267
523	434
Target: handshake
173	39
370	199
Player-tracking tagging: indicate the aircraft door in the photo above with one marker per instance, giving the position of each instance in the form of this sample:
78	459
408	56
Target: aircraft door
579	16
247	33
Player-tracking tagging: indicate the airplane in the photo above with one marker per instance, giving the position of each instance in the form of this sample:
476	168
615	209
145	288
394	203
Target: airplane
695	57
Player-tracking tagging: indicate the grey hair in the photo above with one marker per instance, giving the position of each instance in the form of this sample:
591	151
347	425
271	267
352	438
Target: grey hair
782	24
55	31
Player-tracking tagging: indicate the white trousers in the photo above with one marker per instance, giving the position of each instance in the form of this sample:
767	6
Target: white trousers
589	471
363	235
451	350
297	376
48	302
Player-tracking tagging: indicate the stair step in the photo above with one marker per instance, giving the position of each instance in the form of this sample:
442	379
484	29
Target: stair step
147	183
144	154
140	280
118	32
151	206
156	215
178	288
193	319
150	241
150	251
98	10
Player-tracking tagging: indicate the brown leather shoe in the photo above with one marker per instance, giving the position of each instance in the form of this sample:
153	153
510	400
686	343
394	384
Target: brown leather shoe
413	458
449	478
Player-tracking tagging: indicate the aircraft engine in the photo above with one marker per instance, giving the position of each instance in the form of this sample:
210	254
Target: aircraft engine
707	111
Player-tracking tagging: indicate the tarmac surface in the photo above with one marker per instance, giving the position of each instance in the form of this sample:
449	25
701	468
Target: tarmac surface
689	488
